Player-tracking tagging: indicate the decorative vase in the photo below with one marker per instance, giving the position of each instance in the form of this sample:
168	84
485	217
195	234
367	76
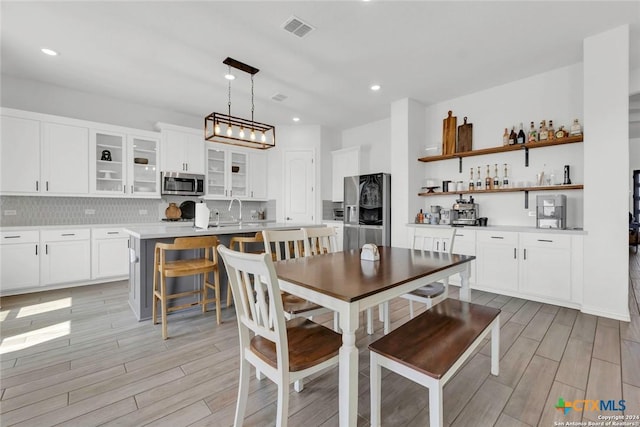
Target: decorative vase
173	211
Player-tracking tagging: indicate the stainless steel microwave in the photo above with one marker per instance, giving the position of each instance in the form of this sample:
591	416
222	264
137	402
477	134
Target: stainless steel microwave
182	184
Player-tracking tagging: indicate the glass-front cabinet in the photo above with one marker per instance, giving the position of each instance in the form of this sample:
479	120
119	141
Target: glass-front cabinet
124	165
109	163
227	173
144	173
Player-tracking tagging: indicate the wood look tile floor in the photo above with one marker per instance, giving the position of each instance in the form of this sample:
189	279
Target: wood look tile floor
78	357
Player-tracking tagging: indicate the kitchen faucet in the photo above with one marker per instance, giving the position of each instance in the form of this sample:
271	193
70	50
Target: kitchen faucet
239	208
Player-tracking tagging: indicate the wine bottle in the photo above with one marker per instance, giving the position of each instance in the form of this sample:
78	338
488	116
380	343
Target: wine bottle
521	137
543	133
505	179
575	128
496	180
533	134
488	182
551	132
512	136
472	184
479	180
505	137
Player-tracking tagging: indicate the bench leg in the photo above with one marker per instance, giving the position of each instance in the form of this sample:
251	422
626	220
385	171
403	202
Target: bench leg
370	321
436	418
375	390
385	314
495	347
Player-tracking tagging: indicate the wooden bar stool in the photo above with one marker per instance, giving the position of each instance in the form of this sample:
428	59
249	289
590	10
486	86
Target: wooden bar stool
204	264
240	242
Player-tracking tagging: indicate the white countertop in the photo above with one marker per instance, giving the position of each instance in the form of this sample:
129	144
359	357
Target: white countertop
512	228
159	231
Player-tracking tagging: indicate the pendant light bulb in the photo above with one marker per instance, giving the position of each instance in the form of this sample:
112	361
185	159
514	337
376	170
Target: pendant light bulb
241	134
216	128
252	135
263	138
229	130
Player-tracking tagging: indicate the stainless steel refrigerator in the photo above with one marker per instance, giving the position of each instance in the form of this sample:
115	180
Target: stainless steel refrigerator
367	210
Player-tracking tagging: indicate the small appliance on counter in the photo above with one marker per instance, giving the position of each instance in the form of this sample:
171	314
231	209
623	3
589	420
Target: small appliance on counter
551	211
435	214
447	215
465	212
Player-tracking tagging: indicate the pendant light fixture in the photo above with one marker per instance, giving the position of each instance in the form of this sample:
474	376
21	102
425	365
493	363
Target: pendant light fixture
228	129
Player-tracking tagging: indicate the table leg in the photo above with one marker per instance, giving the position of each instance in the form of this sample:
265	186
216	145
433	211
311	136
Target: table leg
465	291
348	393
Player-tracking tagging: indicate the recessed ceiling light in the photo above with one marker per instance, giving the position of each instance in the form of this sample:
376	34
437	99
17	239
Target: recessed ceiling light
296	119
49	52
375	87
229	76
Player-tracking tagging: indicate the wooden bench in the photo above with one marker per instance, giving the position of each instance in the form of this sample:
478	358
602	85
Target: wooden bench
431	347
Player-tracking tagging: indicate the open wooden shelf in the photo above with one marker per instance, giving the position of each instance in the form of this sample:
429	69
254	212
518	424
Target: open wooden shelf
504	149
508	190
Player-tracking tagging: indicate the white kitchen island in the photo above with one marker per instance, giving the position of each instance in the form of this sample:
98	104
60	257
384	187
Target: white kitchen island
142	242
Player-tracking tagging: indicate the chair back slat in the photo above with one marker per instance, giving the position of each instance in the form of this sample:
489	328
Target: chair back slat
256	295
440	239
287	244
322	240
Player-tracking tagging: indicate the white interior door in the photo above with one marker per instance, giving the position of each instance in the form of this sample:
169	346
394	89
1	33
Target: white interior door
299	186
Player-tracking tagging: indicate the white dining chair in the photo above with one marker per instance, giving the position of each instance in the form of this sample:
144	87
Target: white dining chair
434	239
284	351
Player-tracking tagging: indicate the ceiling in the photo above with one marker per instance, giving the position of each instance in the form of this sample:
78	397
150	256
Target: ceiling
169	54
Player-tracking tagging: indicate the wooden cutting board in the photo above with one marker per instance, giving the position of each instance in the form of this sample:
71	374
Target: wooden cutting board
449	134
465	137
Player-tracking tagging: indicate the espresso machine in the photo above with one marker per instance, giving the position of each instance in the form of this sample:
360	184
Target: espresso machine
551	211
465	212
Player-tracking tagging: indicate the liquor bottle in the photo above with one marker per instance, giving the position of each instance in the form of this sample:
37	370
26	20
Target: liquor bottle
533	133
561	133
479	180
505	137
551	132
512	136
521	137
575	128
505	179
488	182
496	180
543	133
472	183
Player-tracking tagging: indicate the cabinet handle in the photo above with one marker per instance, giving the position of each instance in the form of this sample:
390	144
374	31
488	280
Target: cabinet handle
460	235
68	234
36	249
525	254
444	246
46	249
128	244
124	188
12	237
497	237
515	252
545	240
252	194
113	232
132	189
37	186
47	185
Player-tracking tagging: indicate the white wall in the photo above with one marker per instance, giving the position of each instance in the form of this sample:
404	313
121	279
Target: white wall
374	140
330	141
606	154
555	95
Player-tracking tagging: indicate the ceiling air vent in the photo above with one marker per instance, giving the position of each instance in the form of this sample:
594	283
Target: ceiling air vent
297	27
279	97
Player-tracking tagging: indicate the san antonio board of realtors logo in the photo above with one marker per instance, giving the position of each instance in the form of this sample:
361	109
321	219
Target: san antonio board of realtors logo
590	405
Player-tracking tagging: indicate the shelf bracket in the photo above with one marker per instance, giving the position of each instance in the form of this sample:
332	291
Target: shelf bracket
459	164
526	199
526	157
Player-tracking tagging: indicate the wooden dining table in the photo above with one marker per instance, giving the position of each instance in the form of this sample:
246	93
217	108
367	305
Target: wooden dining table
342	282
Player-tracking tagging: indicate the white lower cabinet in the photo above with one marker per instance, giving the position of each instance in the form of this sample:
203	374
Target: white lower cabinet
545	265
19	260
465	244
109	253
66	256
339	226
497	260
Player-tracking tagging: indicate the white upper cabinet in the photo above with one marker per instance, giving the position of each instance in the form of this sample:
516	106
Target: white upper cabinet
65	159
143	173
258	175
345	162
182	149
227	172
20	155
